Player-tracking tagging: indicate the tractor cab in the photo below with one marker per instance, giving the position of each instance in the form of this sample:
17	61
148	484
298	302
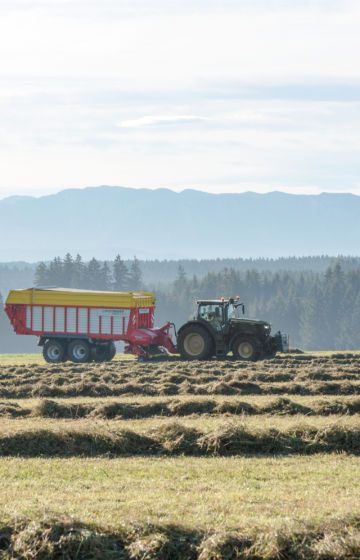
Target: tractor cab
218	312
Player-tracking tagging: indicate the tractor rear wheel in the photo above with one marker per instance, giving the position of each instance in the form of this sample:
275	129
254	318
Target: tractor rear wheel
79	351
246	349
195	343
54	351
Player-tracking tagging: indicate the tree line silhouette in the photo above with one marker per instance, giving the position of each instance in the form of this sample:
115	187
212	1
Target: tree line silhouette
72	272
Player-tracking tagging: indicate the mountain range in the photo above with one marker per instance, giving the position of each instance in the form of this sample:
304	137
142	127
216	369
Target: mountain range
162	224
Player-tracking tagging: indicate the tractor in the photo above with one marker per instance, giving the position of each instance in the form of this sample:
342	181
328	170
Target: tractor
218	328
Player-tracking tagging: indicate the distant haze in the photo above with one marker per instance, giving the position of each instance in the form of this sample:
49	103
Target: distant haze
162	224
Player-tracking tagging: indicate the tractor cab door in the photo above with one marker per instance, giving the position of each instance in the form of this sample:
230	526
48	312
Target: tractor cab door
213	314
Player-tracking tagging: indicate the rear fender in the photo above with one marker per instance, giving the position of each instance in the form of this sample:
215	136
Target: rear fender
198	323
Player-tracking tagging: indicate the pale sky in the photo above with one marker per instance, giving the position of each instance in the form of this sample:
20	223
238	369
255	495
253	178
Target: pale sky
216	95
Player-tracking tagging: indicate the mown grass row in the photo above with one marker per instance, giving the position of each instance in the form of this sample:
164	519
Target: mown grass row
98	388
46	408
178	439
302	375
66	539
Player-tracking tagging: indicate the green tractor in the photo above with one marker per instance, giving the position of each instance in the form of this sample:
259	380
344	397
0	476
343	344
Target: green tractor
217	329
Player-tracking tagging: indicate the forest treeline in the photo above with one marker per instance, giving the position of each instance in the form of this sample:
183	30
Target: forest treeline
155	272
72	272
318	309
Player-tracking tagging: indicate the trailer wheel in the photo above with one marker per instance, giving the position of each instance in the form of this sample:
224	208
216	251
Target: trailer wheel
112	350
79	351
105	352
195	343
246	349
54	351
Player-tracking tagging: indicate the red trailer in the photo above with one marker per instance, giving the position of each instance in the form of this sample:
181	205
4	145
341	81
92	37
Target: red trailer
82	325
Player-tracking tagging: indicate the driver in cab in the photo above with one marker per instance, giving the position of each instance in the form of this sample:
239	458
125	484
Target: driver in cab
214	320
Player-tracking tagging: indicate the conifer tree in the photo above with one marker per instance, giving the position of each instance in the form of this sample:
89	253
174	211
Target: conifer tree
135	277
94	275
55	272
121	275
68	271
41	275
105	276
79	272
180	282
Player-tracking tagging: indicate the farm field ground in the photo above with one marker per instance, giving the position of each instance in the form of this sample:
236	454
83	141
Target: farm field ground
204	460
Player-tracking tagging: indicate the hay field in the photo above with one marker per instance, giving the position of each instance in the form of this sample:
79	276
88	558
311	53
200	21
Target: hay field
204	460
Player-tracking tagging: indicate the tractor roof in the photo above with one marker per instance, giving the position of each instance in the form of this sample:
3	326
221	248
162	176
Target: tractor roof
219	301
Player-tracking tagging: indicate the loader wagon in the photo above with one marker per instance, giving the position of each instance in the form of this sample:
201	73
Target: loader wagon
82	325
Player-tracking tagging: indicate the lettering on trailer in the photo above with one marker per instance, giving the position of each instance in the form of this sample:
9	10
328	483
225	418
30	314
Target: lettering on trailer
71	320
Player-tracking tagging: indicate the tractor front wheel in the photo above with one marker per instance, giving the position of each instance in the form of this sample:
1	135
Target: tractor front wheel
195	343
246	349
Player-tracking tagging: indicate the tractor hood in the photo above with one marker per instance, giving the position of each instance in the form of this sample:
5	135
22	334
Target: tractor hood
252	322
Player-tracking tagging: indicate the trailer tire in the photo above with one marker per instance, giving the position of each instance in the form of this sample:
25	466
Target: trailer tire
54	351
195	343
79	351
112	350
246	348
105	352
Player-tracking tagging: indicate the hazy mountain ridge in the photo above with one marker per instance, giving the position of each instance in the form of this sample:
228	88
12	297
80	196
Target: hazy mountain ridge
162	224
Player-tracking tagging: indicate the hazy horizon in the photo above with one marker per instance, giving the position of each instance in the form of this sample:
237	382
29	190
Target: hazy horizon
162	224
53	192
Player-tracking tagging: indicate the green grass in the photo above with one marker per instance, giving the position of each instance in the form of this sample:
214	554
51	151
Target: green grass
20	359
195	492
28	359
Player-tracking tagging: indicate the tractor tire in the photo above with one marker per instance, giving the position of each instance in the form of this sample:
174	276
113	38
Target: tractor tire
104	352
54	351
79	351
195	343
246	348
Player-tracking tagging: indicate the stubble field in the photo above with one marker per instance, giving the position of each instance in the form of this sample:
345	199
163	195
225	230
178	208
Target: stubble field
204	460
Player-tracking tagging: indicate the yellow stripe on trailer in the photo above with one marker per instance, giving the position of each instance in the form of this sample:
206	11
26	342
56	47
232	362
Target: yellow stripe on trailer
80	298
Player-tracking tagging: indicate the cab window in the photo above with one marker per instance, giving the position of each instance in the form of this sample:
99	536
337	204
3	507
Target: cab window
211	312
231	311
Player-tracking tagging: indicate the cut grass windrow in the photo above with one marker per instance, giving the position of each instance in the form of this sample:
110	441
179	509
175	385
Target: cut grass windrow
178	439
93	388
47	408
62	538
292	375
